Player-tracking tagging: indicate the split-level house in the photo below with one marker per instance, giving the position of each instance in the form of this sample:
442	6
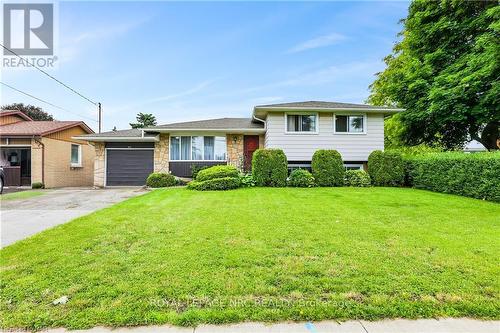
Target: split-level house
127	157
44	151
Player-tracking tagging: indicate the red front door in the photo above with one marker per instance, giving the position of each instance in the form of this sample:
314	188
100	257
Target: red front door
250	144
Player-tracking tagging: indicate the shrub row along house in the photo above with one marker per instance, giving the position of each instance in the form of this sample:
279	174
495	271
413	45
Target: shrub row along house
44	152
127	157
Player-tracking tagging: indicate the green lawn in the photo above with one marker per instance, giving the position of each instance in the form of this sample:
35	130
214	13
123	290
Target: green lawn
262	254
21	195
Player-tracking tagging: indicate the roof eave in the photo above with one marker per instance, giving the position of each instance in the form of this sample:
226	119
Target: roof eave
16	113
81	124
210	130
117	138
19	136
259	111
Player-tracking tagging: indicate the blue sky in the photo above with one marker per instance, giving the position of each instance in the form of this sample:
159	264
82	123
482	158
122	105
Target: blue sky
185	61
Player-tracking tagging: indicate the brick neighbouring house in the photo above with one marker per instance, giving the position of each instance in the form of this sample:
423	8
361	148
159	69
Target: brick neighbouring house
44	151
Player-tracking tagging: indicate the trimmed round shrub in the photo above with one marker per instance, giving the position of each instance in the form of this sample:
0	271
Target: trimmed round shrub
269	167
357	178
217	171
217	184
300	178
36	185
386	168
160	179
327	168
197	168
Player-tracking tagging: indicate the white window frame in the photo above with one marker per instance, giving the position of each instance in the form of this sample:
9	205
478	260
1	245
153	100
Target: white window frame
79	163
316	114
191	148
365	123
354	165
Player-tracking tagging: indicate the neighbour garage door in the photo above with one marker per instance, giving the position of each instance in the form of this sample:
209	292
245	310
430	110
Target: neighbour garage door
128	167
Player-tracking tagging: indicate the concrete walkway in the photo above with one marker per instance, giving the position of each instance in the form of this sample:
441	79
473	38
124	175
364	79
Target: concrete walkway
21	218
462	325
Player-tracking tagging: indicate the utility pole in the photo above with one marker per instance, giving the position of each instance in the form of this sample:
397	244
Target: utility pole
100	116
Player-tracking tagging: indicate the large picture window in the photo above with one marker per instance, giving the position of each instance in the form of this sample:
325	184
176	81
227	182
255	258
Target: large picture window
197	148
301	123
349	124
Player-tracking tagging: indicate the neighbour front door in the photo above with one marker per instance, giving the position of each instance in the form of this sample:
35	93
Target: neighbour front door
250	144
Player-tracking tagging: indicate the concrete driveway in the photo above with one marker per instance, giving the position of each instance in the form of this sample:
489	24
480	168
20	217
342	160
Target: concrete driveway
21	218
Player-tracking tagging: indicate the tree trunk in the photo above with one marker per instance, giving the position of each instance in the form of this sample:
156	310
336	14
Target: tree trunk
490	137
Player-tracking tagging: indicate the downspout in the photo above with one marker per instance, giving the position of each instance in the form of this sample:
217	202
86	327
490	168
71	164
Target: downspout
43	158
265	130
261	120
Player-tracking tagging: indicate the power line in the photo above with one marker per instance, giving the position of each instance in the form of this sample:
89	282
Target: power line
50	76
43	101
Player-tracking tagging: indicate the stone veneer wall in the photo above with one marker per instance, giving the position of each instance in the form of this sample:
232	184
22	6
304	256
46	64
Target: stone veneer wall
99	164
235	150
161	154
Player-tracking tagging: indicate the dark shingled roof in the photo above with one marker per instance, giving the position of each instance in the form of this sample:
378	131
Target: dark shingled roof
321	104
209	124
128	133
214	124
132	133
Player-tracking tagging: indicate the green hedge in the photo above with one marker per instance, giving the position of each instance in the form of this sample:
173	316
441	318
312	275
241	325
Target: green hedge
217	184
269	167
386	168
357	178
217	171
327	168
159	179
300	178
474	175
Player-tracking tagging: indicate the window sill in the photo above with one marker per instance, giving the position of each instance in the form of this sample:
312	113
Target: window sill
346	133
76	166
301	133
222	161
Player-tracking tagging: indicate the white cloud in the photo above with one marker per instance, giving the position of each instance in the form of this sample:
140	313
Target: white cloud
170	97
184	93
321	41
71	47
266	100
334	73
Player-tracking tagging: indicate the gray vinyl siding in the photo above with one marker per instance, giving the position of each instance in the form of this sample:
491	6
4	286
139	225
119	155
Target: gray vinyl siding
301	147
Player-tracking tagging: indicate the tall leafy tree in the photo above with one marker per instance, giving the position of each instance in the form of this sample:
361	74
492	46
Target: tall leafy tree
445	71
34	112
144	120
